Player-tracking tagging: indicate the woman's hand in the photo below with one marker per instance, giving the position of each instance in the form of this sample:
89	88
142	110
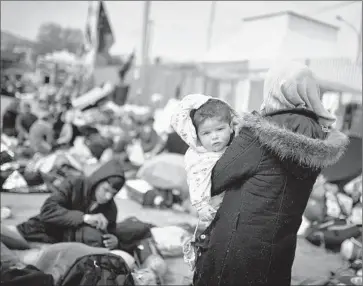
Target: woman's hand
237	123
110	241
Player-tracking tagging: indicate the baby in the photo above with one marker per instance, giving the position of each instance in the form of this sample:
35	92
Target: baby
207	125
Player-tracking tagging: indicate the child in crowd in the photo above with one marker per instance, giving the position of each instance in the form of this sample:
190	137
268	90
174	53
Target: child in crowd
41	135
207	125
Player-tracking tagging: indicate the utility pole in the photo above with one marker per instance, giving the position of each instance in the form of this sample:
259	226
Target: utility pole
209	37
210	25
359	52
150	37
145	50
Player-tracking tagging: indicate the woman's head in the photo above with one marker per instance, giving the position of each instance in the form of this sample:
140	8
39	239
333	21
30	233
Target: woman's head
213	124
293	85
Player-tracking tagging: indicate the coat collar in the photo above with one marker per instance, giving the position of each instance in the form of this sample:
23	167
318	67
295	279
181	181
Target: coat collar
306	151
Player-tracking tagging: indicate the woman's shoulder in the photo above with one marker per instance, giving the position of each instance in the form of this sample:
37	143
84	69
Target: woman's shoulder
310	149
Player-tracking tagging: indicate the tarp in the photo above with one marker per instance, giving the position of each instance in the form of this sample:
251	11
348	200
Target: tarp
92	97
166	171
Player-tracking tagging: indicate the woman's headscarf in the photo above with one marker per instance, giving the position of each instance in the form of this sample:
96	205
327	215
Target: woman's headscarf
293	85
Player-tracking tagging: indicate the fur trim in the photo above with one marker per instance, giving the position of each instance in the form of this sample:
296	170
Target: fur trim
315	153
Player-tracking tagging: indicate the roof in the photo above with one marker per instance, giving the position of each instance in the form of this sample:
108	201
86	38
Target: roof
8	55
269	42
292	13
8	38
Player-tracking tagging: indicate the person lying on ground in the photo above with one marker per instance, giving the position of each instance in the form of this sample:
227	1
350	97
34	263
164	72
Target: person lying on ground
81	210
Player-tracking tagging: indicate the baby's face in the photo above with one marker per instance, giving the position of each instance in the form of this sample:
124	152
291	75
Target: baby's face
214	134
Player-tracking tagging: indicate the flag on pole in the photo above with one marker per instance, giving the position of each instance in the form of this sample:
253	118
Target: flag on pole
104	31
126	66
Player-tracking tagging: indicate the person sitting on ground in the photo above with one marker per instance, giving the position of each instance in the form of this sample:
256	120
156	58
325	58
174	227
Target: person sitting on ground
68	132
41	136
151	142
81	210
9	118
24	121
118	150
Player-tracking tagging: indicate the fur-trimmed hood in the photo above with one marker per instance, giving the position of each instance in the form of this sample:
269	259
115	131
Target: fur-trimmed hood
314	153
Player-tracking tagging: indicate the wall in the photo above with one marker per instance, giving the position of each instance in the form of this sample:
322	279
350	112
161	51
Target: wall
256	94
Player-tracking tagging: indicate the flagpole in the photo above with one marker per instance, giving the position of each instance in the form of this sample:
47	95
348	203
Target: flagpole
144	50
209	37
359	52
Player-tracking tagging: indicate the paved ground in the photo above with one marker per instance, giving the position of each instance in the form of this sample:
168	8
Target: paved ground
310	262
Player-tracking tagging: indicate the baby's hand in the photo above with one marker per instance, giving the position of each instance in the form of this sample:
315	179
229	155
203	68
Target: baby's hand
237	123
206	213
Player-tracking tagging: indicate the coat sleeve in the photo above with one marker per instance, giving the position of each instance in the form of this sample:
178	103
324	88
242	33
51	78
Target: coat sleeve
238	163
57	209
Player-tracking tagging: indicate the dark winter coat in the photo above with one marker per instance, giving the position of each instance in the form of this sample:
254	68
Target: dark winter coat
61	216
268	173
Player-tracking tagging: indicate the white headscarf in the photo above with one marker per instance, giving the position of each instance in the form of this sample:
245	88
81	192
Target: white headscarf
293	85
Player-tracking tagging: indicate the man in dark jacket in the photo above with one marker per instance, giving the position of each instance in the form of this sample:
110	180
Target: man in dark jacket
268	173
9	118
81	210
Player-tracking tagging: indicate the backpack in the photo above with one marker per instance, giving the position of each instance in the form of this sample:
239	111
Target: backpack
29	275
98	270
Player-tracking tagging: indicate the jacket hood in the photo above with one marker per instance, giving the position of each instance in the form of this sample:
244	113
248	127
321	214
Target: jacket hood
298	138
182	122
112	168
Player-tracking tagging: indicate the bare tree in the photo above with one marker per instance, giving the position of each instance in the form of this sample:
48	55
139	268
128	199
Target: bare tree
53	37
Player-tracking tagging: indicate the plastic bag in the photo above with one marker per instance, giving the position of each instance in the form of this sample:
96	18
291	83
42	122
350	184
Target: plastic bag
136	153
169	240
15	180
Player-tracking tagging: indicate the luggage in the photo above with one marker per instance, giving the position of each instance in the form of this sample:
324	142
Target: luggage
132	229
166	171
147	256
137	190
5	157
29	275
96	270
89	236
332	233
